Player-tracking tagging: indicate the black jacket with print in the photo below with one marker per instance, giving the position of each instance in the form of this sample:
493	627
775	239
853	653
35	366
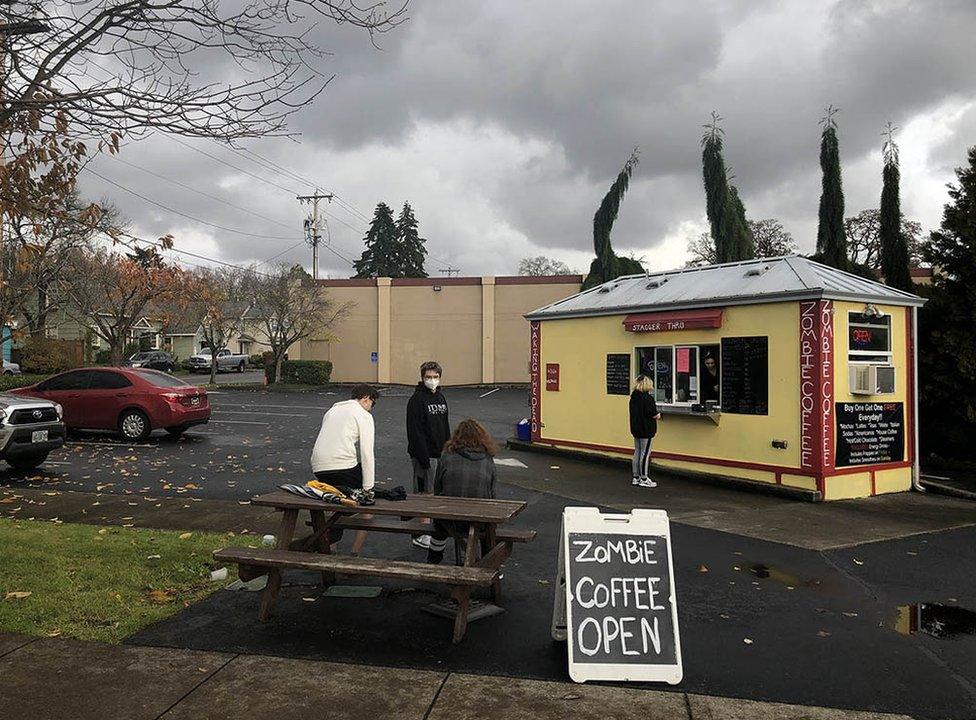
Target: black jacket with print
428	427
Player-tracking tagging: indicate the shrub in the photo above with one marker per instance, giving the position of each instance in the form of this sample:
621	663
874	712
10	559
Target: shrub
9	382
302	372
46	356
256	360
103	357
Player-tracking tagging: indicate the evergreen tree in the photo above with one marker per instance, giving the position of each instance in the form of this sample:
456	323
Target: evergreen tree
379	257
831	240
947	341
411	247
725	211
607	266
894	244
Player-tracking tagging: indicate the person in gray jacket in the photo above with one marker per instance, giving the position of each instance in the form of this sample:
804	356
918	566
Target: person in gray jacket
466	469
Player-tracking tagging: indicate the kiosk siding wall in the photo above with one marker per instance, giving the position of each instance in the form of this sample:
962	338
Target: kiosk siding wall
858	482
581	413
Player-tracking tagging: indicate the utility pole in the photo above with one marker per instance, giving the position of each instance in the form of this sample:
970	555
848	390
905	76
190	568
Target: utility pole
312	236
451	271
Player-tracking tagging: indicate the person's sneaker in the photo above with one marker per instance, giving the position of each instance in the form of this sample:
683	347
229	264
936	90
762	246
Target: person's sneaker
647	482
635	481
422	542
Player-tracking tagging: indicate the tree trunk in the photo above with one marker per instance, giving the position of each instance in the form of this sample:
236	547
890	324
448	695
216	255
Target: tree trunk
277	373
116	351
213	367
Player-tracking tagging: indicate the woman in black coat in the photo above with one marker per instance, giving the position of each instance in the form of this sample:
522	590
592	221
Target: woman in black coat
643	426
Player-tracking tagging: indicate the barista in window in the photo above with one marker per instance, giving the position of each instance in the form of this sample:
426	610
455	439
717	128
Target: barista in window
710	379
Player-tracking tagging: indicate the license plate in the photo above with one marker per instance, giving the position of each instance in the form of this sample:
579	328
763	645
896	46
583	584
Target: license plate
39	436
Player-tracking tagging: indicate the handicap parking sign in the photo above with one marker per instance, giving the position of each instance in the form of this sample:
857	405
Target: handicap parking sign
374	357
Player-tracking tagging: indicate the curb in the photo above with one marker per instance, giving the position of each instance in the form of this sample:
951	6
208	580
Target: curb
937	488
722	480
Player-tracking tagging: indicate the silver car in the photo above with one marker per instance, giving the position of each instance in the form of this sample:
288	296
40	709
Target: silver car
30	428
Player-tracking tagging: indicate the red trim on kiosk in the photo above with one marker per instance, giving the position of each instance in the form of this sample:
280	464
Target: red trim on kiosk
910	395
535	353
817	389
678	320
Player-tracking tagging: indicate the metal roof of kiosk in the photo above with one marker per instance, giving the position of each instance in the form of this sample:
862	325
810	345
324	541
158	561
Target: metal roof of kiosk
740	283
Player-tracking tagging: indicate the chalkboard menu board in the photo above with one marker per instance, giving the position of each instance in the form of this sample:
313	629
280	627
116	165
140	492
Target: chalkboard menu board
745	375
870	433
618	374
615	600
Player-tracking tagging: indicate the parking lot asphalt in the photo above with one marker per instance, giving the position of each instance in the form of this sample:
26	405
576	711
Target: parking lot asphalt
761	617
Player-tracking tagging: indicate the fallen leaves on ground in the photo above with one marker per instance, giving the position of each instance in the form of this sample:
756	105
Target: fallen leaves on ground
186	536
17	595
162	597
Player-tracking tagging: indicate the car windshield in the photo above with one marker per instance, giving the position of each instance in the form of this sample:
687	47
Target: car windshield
204	351
141	356
161	379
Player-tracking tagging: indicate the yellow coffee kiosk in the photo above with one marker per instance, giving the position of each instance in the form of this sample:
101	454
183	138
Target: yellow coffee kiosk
780	371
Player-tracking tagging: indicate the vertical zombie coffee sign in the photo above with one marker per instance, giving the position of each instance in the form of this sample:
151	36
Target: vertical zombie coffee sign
535	373
817	387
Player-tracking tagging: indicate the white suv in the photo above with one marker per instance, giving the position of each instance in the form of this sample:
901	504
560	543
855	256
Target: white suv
30	428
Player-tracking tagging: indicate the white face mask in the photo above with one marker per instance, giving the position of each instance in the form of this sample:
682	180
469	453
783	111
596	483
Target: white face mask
432	383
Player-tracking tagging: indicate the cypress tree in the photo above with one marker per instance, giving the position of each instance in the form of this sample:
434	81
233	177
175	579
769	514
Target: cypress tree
379	258
411	247
607	266
894	245
831	240
725	211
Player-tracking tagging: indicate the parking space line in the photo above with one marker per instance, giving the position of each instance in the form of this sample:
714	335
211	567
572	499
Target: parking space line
112	444
287	407
238	422
255	412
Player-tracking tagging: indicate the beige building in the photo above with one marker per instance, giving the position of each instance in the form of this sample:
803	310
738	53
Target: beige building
473	326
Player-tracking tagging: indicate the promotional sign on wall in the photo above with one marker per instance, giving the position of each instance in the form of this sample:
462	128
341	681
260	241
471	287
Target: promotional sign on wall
615	600
870	433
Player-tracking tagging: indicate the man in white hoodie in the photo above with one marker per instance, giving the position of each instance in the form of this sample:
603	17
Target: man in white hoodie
343	451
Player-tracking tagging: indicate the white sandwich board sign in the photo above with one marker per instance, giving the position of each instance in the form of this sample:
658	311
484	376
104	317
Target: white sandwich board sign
615	600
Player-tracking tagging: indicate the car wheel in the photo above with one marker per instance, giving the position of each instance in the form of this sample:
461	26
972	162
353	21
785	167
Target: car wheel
134	425
240	368
26	462
8	372
175	431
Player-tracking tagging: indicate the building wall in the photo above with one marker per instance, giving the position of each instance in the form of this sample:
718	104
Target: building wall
860	482
582	412
472	326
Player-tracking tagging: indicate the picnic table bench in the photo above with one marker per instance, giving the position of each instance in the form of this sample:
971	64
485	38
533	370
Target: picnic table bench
486	546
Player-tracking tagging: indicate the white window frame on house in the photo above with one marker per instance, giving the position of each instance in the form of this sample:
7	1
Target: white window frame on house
869	357
694	374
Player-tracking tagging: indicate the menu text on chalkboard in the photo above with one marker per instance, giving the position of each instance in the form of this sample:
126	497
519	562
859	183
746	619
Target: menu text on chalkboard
745	375
618	374
870	433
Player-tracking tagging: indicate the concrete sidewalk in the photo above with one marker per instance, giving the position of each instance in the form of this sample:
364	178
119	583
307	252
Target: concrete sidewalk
57	678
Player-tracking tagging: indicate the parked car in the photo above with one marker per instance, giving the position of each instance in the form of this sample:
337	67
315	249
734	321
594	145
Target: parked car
10	368
30	428
226	361
133	401
155	359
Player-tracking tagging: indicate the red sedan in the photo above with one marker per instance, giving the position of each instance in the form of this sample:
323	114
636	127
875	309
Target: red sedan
134	401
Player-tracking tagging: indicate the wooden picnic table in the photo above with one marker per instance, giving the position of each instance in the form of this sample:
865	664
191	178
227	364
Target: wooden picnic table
487	546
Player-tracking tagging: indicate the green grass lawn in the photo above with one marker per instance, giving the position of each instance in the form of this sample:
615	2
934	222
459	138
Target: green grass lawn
101	584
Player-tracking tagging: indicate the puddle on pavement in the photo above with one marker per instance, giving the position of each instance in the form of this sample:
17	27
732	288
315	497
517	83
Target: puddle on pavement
771	572
935	619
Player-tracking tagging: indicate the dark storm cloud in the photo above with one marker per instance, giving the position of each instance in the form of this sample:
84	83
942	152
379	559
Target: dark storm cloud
565	91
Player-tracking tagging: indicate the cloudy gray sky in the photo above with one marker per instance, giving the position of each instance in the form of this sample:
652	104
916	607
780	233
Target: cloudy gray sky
504	123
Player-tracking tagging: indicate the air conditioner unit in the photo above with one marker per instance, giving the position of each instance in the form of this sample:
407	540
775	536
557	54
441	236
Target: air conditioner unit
872	379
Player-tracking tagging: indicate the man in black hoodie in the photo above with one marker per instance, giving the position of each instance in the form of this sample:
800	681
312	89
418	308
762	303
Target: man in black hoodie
428	429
